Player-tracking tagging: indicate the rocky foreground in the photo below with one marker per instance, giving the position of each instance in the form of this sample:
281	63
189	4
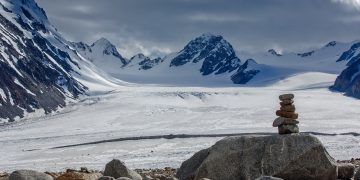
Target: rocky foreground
288	157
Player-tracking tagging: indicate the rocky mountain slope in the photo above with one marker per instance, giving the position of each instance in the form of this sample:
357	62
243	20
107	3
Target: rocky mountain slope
206	59
39	69
103	54
34	73
349	79
323	59
211	60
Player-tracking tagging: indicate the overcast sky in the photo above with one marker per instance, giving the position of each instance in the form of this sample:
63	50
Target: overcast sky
156	27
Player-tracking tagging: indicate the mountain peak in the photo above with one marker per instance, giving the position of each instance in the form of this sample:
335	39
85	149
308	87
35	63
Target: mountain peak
274	52
106	46
138	56
331	44
26	8
216	54
209	36
102	42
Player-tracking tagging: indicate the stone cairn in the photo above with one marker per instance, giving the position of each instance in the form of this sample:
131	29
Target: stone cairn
287	120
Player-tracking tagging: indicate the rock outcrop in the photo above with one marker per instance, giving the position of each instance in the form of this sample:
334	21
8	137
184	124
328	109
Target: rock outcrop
357	175
294	156
29	175
346	171
117	169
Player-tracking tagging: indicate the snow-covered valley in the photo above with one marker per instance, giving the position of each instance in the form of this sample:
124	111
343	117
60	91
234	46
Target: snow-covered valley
139	110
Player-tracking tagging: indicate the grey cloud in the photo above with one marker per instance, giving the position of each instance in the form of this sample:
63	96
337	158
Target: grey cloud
156	27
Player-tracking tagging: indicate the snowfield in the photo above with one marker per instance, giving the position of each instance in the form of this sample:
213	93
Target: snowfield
133	110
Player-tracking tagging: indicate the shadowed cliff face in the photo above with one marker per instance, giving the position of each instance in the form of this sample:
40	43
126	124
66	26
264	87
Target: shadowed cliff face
34	73
349	80
215	53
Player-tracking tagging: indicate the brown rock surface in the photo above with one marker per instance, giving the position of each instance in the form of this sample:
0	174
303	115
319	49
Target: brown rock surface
346	170
288	108
286	97
284	121
79	176
286	102
286	114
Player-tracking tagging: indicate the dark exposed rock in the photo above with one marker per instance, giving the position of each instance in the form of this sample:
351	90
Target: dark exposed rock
288	108
290	115
288	129
357	175
346	171
273	52
215	53
349	79
292	157
189	168
286	121
306	54
34	74
116	169
106	178
284	97
243	75
148	63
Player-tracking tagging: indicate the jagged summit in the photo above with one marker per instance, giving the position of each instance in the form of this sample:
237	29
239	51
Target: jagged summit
102	42
351	54
107	48
331	44
274	52
216	54
18	6
138	56
35	72
142	62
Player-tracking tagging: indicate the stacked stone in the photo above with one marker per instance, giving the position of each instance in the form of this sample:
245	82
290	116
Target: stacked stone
287	120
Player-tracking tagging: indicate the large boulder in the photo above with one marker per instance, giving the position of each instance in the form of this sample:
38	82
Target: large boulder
116	169
29	175
293	156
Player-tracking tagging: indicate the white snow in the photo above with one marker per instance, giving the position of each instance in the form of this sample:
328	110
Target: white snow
2	94
185	102
27	90
127	111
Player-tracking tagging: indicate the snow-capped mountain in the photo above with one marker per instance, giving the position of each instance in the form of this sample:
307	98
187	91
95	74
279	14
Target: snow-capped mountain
34	74
103	54
349	79
211	58
245	72
206	59
323	59
274	52
39	70
213	51
142	62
